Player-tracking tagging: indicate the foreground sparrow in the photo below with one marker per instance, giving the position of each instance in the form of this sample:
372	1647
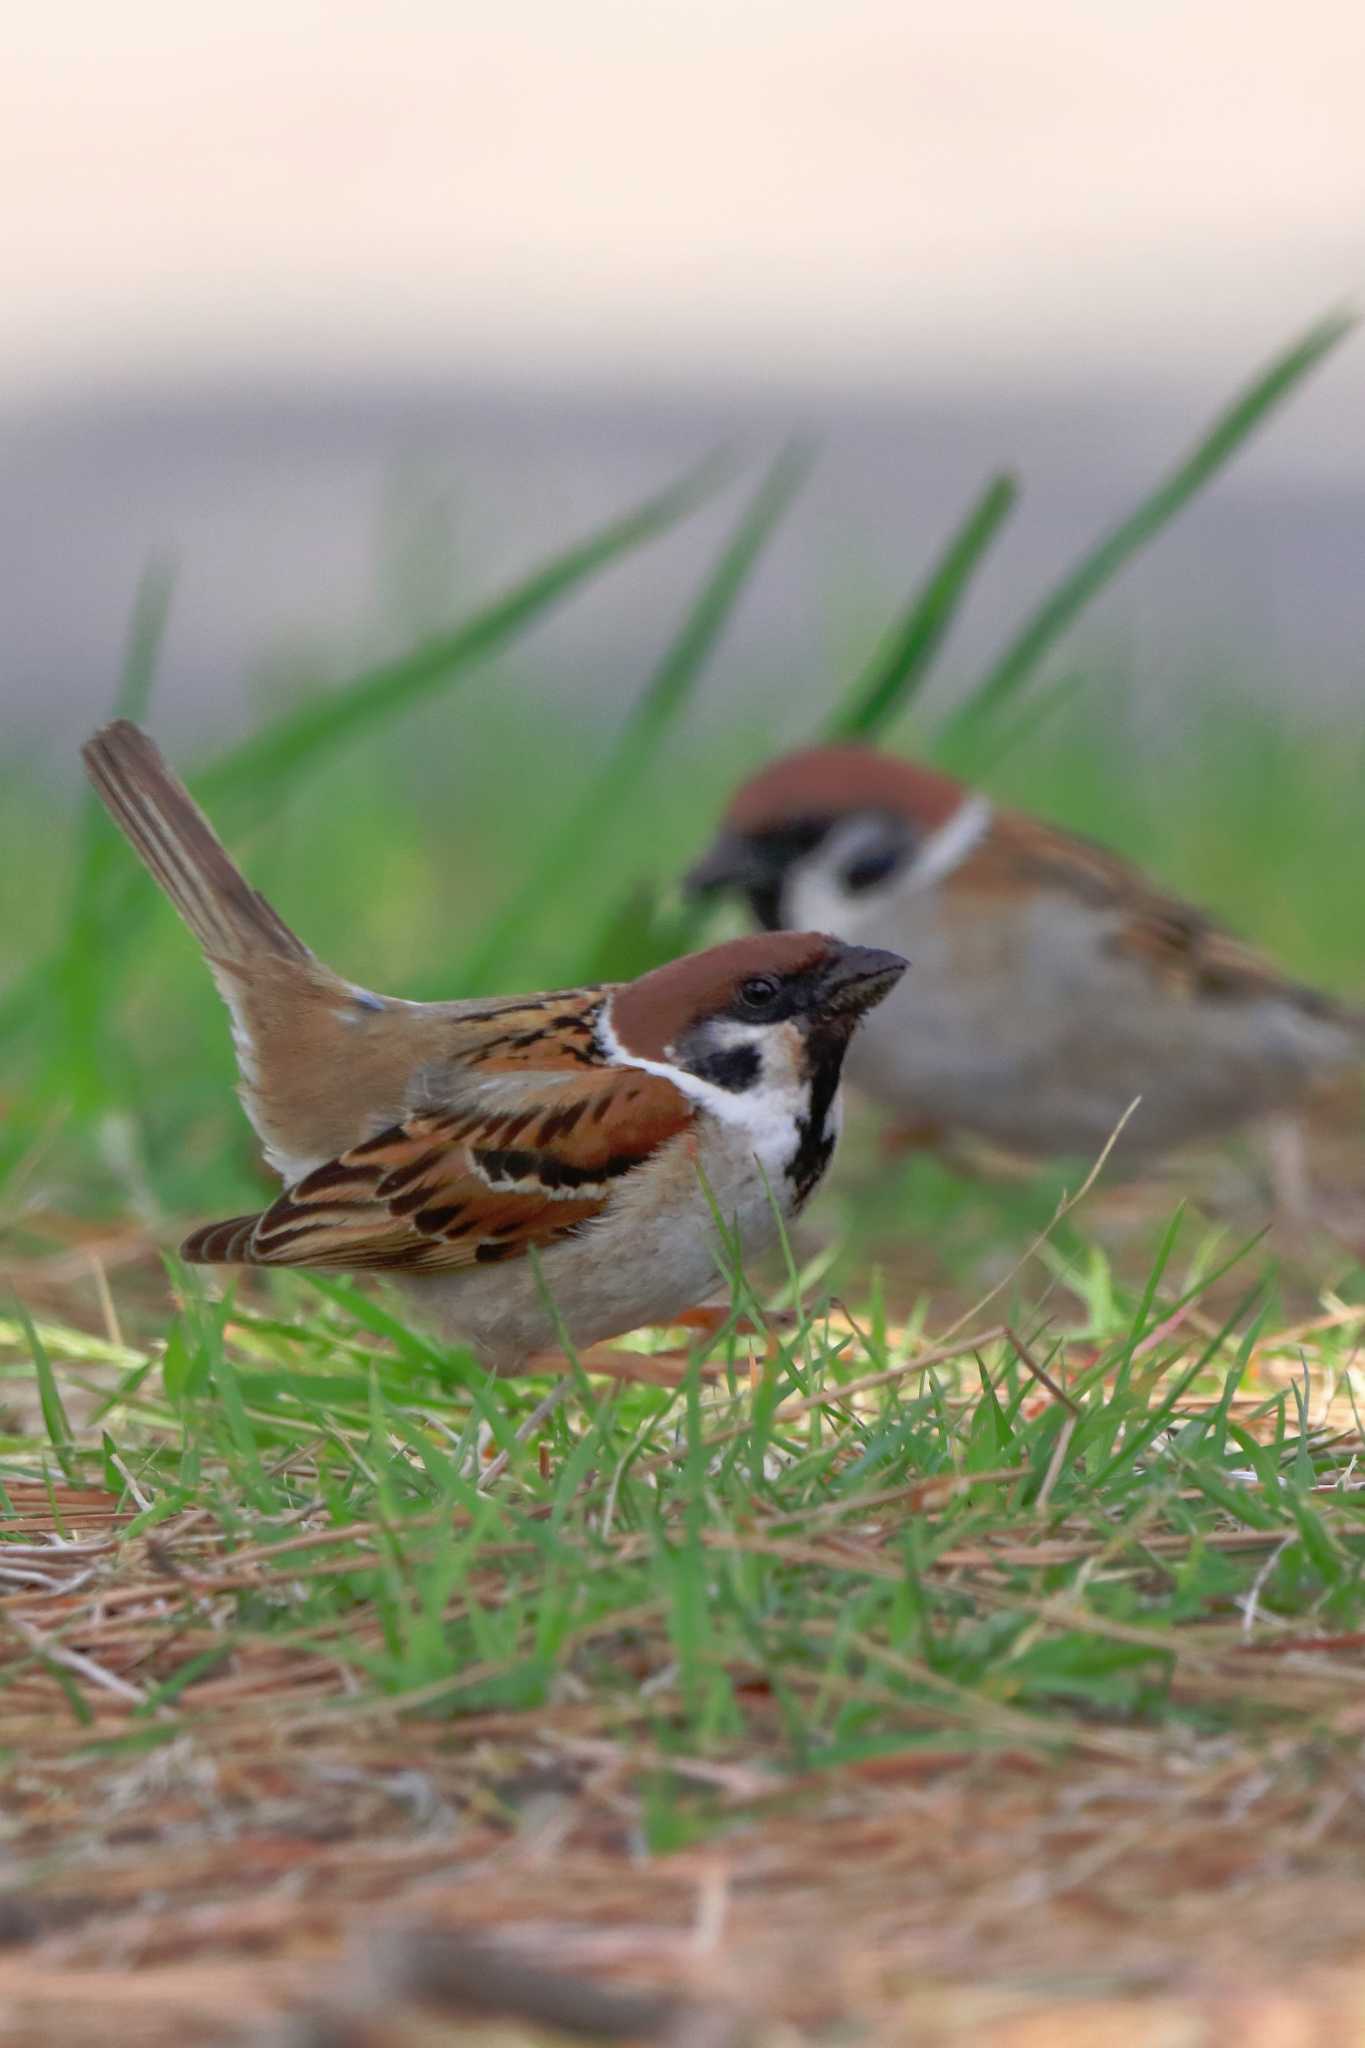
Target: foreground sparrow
442	1142
1051	982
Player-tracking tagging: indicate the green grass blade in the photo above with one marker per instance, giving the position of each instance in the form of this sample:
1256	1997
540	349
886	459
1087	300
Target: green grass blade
146	636
296	740
300	737
55	1420
662	700
79	980
1060	609
900	667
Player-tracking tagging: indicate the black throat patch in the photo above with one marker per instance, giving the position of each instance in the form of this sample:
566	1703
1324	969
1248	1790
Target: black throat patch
733	1067
815	1133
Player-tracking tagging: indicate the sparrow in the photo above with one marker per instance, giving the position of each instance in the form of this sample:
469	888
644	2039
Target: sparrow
525	1167
1052	983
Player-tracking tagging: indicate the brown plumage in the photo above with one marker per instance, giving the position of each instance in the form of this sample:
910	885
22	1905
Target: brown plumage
1053	981
444	1142
443	1189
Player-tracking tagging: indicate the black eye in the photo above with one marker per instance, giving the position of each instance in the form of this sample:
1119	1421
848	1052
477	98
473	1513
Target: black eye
759	991
870	868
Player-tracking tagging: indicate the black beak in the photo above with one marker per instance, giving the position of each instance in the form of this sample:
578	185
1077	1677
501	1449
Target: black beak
732	862
858	978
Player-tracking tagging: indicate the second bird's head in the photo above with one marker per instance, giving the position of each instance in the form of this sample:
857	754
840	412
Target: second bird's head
824	836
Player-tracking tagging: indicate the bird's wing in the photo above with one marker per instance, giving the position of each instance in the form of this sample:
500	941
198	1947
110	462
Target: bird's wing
1182	950
526	1157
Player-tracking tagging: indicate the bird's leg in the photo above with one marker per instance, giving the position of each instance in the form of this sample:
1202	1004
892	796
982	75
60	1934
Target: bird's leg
667	1368
711	1317
1311	1219
657	1368
1287	1158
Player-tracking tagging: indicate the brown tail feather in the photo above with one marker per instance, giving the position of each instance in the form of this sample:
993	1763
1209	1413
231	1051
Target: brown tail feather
157	814
221	1244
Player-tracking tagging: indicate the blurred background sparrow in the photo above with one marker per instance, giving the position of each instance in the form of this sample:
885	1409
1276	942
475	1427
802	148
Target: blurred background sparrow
1056	987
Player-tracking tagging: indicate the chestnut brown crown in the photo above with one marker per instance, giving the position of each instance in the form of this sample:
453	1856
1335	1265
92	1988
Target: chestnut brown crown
833	782
790	808
774	977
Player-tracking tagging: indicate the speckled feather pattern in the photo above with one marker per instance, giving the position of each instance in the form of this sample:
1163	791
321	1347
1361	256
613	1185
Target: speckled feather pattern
488	1153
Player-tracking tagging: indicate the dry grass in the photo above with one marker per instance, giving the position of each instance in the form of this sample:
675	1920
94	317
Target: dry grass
217	1834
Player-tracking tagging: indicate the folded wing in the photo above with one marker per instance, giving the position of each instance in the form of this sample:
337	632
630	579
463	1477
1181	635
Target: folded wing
470	1184
1183	951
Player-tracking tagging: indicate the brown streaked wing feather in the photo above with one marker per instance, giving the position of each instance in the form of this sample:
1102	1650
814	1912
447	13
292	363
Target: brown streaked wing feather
1180	946
1194	956
448	1188
544	1034
221	1244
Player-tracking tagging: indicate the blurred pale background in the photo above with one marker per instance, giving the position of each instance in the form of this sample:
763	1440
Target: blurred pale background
356	308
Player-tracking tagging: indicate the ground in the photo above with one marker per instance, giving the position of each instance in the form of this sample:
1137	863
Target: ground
1102	1785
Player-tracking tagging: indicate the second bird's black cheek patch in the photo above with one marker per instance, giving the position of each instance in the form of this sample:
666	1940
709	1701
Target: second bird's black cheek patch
732	1067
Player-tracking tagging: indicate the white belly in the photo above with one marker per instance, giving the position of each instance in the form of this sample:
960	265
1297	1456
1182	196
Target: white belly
653	1253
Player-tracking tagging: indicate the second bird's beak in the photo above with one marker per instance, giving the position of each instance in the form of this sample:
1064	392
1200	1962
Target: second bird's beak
731	862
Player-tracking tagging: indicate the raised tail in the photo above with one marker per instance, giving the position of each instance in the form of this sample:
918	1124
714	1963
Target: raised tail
165	826
322	1063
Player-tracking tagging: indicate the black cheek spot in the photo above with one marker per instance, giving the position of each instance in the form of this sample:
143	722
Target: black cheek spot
732	1067
871	868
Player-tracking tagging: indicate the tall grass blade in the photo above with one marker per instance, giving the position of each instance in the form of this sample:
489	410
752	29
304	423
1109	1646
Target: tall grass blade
300	737
137	673
50	1404
900	667
1060	609
78	980
659	705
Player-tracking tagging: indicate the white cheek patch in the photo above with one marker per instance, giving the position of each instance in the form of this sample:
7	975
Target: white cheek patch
722	1102
947	848
818	897
766	1112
